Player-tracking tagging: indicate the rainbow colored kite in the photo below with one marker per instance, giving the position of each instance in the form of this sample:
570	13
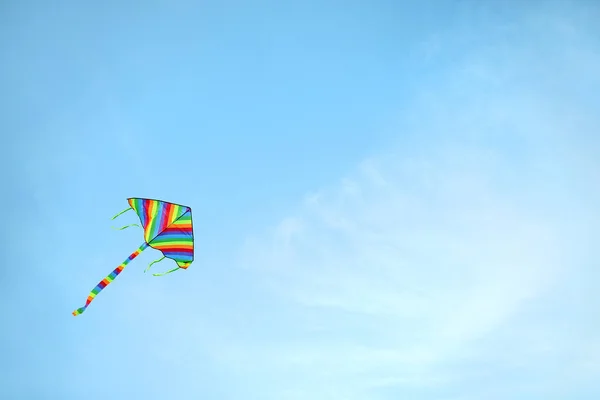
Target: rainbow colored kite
167	227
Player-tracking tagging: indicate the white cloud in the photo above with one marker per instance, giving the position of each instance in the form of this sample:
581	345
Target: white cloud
420	266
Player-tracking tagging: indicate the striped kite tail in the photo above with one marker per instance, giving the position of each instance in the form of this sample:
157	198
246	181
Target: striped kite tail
111	277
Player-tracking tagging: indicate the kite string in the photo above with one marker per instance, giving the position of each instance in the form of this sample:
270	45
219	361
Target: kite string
106	281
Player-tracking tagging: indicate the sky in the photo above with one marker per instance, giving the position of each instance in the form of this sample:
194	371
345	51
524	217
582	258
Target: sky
391	200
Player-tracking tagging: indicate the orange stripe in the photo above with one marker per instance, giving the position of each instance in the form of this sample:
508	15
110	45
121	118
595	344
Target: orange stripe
182	224
170	247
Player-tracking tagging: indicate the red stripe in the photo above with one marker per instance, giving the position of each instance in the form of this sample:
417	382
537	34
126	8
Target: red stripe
146	212
165	217
177	249
180	228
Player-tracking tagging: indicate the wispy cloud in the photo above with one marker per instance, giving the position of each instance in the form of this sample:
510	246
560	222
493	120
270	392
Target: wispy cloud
455	257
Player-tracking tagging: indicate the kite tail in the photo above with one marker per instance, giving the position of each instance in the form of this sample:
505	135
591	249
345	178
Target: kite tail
104	282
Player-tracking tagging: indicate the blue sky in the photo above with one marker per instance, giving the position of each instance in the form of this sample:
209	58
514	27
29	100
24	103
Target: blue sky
391	200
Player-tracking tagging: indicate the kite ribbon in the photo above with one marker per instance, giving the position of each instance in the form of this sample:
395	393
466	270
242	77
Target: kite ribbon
154	262
106	281
165	273
122	212
161	273
127	226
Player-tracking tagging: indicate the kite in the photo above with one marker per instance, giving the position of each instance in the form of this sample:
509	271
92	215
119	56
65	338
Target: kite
167	228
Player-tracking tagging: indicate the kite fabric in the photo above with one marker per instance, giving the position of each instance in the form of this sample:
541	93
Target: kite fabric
167	228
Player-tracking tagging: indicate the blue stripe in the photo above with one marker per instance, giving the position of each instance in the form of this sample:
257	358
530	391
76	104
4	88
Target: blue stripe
140	211
179	256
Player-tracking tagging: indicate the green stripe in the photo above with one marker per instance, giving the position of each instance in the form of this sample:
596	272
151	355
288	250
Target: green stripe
167	242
